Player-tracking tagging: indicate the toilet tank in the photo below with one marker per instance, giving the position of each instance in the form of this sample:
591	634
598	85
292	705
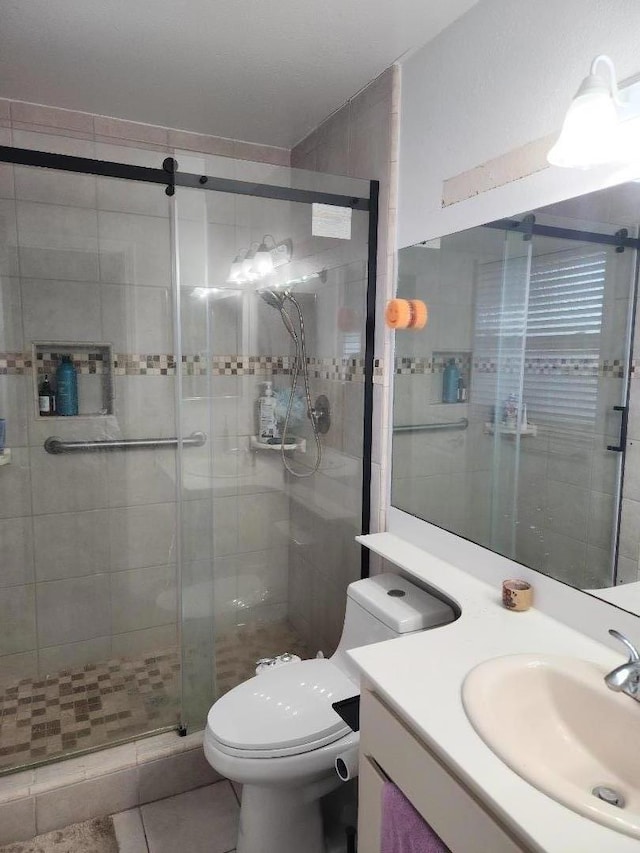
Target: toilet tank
384	607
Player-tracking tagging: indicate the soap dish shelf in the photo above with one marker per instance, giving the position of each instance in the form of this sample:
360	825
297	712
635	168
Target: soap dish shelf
503	429
5	458
299	444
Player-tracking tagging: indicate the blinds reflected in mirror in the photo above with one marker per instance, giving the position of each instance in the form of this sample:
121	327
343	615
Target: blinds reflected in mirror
560	316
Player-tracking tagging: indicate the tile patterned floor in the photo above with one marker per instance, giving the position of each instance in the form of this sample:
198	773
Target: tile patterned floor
238	650
101	703
89	707
200	821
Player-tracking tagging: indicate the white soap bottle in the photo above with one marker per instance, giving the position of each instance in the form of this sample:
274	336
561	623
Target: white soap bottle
267	421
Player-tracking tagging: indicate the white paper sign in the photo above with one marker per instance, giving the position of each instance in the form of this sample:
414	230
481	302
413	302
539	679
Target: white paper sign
327	220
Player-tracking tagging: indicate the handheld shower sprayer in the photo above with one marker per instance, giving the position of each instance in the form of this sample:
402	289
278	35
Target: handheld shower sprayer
278	300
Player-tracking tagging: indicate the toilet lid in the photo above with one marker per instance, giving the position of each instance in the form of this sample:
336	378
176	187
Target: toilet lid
288	707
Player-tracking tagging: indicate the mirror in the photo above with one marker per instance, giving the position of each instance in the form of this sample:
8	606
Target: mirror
516	409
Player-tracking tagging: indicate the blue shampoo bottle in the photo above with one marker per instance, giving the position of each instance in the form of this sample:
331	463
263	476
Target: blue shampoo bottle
450	379
67	387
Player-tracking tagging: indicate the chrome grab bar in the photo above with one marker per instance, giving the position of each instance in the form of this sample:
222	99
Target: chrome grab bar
463	423
56	445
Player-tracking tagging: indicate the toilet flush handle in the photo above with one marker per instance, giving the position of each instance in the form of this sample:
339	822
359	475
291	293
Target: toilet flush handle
266	662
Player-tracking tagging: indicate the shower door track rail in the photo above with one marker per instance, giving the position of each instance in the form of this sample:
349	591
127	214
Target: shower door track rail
619	240
169	177
56	445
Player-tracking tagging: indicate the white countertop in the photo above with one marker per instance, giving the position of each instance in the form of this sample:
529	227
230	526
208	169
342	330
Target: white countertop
626	596
420	677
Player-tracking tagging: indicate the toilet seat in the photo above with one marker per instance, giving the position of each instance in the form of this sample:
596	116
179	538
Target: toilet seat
281	712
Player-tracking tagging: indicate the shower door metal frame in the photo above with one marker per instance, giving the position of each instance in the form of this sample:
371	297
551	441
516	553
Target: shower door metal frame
169	177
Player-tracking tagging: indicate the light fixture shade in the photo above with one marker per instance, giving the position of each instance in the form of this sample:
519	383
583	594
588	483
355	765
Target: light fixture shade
248	267
235	273
263	262
590	134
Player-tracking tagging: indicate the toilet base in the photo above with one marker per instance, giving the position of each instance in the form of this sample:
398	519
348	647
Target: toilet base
280	820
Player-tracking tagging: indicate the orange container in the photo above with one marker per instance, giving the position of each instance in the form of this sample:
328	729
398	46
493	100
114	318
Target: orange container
406	314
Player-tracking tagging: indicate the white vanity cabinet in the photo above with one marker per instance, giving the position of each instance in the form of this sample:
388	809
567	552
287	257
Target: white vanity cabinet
389	750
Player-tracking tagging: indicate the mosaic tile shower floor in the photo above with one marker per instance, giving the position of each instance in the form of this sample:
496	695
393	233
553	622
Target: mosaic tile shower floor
85	708
101	703
238	650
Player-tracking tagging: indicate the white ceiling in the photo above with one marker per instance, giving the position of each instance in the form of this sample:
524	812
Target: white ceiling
264	71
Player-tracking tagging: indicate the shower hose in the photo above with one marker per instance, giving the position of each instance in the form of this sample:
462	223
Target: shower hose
299	366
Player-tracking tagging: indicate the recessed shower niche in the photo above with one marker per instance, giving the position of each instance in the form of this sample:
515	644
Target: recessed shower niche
94	366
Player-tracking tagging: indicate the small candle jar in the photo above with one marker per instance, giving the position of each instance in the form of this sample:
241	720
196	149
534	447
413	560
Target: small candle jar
517	594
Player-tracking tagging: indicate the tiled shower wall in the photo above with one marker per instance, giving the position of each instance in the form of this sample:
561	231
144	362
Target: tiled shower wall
360	140
89	260
326	508
239	342
91	537
88	566
428	467
262	516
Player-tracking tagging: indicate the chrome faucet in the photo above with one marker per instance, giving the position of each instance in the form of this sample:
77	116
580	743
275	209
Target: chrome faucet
626	677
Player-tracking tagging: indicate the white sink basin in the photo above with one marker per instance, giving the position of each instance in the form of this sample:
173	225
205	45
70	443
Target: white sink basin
556	724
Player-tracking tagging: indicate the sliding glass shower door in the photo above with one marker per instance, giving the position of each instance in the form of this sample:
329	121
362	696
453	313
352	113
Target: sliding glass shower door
154	544
88	620
501	331
562	316
268	544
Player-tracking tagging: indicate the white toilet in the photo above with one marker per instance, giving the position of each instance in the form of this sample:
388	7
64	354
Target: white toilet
278	735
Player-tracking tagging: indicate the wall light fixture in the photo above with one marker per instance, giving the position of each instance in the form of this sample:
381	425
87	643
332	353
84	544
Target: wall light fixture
256	264
598	128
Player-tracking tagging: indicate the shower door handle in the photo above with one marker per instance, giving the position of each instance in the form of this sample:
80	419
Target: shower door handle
624	420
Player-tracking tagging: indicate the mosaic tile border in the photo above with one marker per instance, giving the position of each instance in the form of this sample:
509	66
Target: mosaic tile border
436	363
15	363
85	362
542	366
126	364
165	364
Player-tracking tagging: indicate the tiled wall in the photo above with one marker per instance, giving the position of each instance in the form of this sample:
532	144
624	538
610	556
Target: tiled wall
26	117
89	259
267	522
89	541
428	467
326	508
361	140
89	569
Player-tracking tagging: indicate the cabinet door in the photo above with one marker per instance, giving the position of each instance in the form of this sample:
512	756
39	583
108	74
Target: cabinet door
370	782
454	813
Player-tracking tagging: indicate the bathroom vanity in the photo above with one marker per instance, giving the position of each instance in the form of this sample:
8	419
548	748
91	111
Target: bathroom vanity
446	804
415	731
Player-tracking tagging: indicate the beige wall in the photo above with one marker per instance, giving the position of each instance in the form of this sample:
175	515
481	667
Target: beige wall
22	116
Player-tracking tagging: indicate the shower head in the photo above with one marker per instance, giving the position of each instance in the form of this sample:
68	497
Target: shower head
277	300
272	298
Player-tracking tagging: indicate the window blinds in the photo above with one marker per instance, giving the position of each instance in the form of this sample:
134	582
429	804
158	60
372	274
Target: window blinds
560	317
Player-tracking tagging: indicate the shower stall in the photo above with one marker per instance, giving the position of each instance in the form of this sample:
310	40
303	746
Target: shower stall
153	547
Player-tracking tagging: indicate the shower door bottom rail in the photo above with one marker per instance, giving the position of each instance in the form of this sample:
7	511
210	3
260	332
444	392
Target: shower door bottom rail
57	445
